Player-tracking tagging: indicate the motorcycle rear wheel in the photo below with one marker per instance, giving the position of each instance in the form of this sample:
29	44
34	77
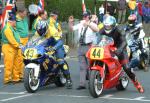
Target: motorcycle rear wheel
60	80
95	84
123	83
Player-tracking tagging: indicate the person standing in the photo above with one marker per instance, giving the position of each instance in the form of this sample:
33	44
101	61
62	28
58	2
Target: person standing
132	6
10	47
22	25
87	36
41	15
146	12
110	9
146	21
122	4
23	29
139	12
101	13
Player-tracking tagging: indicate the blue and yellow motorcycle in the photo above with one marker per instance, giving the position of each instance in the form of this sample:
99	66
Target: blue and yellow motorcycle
41	66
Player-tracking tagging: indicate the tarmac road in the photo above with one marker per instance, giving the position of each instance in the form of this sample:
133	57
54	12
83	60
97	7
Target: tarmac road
52	94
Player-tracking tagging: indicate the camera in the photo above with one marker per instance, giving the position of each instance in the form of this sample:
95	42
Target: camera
81	40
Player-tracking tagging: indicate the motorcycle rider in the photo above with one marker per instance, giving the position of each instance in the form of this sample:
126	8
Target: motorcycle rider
135	38
56	33
110	29
50	33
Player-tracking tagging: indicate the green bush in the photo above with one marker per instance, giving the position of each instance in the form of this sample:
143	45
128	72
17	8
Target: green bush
65	7
69	7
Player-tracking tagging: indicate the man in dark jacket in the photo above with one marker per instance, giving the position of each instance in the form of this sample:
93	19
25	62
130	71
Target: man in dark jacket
110	9
111	30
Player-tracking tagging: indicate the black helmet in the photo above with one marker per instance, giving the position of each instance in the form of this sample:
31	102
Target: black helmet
42	27
132	19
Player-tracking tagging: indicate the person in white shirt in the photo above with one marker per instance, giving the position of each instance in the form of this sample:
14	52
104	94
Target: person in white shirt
101	13
87	36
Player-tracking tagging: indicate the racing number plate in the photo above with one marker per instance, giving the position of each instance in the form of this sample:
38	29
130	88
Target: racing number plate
30	53
97	53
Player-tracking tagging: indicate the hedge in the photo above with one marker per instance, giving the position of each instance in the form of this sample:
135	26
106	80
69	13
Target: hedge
65	7
69	7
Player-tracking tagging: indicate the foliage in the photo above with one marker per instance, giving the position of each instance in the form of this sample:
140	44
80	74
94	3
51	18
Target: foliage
69	7
65	7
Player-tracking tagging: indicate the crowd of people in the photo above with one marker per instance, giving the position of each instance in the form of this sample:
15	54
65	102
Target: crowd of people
15	36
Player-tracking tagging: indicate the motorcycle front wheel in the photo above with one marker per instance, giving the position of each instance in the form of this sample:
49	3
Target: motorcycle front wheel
95	84
30	83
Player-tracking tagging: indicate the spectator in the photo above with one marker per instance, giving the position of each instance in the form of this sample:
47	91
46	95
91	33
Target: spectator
110	9
146	12
121	10
101	13
10	47
23	29
146	20
41	15
139	12
132	6
87	36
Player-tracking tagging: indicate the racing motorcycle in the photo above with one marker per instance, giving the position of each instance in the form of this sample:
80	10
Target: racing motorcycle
105	70
137	49
41	66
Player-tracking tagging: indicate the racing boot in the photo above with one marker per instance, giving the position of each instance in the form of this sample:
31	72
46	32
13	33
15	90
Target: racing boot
138	86
66	73
69	84
132	76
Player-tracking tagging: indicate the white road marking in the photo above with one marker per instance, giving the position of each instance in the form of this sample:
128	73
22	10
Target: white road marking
22	96
1	66
139	98
107	96
13	92
103	97
75	96
128	99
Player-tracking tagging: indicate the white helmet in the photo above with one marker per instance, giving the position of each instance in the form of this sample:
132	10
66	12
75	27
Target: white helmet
109	23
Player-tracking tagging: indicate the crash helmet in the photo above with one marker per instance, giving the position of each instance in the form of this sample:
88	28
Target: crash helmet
42	27
109	24
132	19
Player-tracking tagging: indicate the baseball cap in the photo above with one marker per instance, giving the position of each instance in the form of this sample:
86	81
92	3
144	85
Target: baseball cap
54	12
86	13
12	17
